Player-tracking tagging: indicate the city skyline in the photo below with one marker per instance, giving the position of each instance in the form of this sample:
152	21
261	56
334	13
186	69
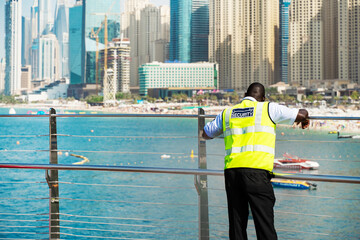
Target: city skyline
26	13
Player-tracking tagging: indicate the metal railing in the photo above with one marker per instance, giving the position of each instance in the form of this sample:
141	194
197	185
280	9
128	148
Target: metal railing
200	174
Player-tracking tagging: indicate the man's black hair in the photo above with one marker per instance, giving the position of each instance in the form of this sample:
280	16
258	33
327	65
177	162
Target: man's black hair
256	90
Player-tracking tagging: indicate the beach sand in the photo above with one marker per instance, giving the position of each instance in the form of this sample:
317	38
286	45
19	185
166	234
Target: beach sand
346	126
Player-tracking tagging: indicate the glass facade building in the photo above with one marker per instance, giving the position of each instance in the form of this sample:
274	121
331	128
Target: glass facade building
177	75
189	30
284	38
94	15
76	48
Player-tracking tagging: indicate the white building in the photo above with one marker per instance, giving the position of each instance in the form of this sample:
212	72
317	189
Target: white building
48	66
55	90
185	76
13	46
243	40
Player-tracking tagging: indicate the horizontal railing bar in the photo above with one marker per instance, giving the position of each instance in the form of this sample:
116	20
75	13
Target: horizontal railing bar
107	115
333	118
157	115
98	237
23	239
142	137
184	171
123	185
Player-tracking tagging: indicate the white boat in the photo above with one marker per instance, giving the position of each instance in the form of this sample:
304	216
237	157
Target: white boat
165	156
293	162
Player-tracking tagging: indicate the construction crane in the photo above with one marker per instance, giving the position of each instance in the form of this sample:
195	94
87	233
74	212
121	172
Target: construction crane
95	35
109	79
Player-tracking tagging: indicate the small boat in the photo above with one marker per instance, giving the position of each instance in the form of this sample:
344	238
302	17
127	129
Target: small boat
294	162
348	136
333	132
165	156
289	183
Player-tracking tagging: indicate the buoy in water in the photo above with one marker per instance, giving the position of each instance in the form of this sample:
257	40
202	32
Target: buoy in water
92	130
17	142
192	154
12	111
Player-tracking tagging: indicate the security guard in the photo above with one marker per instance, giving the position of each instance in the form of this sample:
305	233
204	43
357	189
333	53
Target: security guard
249	135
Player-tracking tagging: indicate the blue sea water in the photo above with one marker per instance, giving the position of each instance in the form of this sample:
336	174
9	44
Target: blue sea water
114	205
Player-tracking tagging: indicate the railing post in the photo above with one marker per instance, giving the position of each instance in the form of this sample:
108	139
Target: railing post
52	180
201	180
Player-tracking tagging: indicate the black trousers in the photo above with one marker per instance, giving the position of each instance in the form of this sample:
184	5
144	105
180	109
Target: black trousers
244	187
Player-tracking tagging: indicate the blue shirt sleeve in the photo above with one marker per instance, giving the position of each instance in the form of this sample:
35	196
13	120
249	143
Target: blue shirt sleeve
215	127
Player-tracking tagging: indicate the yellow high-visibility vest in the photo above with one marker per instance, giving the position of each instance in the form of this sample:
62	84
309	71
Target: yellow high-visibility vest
249	136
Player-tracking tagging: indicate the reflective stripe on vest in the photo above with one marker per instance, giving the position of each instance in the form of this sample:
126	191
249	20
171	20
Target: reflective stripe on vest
250	148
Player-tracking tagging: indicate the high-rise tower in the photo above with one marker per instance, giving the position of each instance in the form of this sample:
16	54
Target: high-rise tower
284	39
76	44
305	51
13	46
243	40
61	30
147	28
189	30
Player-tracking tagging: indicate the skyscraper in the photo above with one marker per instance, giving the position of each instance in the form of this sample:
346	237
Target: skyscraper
61	30
244	41
353	20
76	44
48	58
189	30
284	38
44	17
94	12
34	18
146	27
119	61
25	41
34	55
13	46
305	48
324	39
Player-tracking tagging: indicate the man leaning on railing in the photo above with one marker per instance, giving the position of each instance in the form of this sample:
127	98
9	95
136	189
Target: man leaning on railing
249	135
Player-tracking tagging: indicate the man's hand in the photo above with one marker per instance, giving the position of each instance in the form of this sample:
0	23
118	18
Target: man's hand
305	124
303	118
205	136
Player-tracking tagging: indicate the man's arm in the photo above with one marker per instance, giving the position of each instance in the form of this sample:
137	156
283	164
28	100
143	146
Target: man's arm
280	114
303	118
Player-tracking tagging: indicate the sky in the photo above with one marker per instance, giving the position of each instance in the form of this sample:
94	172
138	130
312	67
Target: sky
26	12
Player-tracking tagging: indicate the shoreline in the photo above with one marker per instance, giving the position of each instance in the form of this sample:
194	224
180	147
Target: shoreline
346	126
